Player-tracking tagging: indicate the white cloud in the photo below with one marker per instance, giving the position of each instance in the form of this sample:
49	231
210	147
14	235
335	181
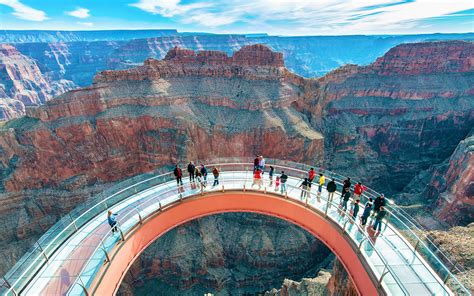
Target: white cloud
25	12
298	16
85	24
168	8
81	13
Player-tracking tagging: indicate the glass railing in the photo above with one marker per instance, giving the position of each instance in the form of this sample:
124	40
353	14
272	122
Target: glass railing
147	204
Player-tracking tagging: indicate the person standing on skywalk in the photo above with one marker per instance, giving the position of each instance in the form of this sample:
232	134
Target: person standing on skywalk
191	169
179	175
283	179
331	188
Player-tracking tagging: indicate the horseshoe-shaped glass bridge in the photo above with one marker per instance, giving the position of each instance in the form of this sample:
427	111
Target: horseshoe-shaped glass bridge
80	255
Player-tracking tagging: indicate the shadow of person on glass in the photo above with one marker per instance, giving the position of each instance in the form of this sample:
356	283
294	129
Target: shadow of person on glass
65	282
372	235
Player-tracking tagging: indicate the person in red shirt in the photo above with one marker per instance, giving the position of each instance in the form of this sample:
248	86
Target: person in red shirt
358	190
311	175
257	178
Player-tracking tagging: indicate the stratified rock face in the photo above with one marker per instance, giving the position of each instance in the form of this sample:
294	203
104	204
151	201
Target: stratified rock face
340	284
226	254
189	106
22	83
451	185
386	122
75	61
415	59
305	287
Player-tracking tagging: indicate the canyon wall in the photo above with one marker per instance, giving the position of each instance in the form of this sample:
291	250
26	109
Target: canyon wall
386	122
225	254
23	84
77	56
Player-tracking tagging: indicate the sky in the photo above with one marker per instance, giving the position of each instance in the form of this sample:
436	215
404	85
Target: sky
275	17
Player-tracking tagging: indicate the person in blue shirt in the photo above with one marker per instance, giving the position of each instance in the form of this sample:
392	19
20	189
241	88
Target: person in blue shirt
355	210
367	210
112	220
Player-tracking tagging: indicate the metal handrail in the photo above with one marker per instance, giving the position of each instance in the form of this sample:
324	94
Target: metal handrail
249	163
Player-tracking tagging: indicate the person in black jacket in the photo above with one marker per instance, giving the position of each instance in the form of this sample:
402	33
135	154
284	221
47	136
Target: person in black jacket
178	174
331	188
283	179
345	198
345	185
378	219
378	203
304	188
191	169
204	174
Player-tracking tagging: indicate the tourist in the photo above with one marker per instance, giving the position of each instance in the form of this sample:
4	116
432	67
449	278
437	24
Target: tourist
378	219
215	172
204	174
378	203
304	188
331	188
358	190
355	209
191	169
270	175
311	175
345	198
261	164
197	171
283	179
179	175
257	178
256	163
112	220
200	181
322	180
277	183
346	184
367	210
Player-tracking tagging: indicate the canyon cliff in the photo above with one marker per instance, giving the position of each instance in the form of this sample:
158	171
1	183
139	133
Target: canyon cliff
225	254
77	56
23	84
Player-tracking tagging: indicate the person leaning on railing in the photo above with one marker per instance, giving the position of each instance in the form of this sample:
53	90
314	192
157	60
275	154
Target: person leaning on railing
112	220
378	204
378	219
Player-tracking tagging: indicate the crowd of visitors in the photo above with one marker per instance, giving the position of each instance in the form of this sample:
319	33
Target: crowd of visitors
372	208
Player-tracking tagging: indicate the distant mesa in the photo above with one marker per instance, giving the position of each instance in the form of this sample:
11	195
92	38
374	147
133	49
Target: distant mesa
252	61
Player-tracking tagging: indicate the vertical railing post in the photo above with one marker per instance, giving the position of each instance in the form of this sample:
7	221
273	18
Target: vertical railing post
107	258
384	272
73	221
121	233
327	207
9	286
139	216
83	287
42	252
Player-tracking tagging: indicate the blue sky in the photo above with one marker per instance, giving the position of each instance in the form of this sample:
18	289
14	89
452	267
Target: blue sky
277	17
